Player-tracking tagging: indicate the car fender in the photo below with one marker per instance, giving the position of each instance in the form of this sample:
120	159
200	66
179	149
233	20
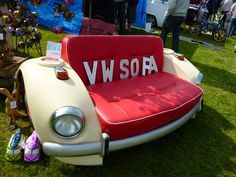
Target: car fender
45	94
181	67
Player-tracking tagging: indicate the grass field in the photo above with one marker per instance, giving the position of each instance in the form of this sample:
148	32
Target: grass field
204	147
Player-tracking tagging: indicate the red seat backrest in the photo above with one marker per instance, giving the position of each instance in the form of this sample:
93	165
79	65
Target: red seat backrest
105	58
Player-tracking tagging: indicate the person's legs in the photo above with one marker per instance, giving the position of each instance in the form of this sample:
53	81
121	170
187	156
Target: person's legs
166	28
115	11
175	39
232	27
229	28
131	15
223	19
176	31
208	15
121	17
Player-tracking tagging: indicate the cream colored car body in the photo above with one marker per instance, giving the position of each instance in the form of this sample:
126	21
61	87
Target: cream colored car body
181	68
45	94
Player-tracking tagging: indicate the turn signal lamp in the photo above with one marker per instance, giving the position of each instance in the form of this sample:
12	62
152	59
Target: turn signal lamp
61	73
180	56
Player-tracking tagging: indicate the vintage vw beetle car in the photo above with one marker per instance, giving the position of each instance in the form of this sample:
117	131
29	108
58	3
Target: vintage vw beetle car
107	93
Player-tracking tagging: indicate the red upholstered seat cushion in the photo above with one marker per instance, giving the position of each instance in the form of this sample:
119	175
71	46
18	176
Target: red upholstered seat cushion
136	105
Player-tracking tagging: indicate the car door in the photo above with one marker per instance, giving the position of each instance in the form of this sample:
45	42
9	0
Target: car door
156	11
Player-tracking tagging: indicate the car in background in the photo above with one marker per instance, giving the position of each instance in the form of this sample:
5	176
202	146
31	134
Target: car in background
156	11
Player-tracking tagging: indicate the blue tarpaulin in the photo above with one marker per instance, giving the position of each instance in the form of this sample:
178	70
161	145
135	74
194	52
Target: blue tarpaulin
141	14
46	15
47	18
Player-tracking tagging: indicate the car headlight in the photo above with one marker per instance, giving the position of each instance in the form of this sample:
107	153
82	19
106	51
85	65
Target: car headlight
68	121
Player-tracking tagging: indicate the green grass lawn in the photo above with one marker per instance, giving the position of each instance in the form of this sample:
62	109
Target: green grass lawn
204	147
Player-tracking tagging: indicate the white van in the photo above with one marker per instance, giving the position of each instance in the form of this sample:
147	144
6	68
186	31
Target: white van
156	11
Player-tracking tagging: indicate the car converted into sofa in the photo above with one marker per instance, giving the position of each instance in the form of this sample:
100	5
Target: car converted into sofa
121	91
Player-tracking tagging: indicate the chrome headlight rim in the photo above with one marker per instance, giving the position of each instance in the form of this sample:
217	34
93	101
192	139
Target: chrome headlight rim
68	110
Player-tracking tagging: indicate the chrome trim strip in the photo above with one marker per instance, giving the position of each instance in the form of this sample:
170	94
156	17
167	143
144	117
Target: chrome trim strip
71	150
68	110
157	133
105	144
83	149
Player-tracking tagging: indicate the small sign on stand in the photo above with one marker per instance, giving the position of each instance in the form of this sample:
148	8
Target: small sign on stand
53	55
53	51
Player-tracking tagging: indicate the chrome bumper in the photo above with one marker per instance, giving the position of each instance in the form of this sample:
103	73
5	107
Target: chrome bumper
104	146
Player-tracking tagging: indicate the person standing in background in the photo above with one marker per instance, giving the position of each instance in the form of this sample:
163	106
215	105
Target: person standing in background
131	13
232	23
212	7
225	8
174	17
119	15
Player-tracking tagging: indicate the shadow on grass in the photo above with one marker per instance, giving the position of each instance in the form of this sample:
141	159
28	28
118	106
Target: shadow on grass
218	78
204	40
188	48
188	51
200	148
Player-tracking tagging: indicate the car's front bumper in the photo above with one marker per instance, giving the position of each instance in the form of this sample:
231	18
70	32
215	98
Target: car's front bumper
104	146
